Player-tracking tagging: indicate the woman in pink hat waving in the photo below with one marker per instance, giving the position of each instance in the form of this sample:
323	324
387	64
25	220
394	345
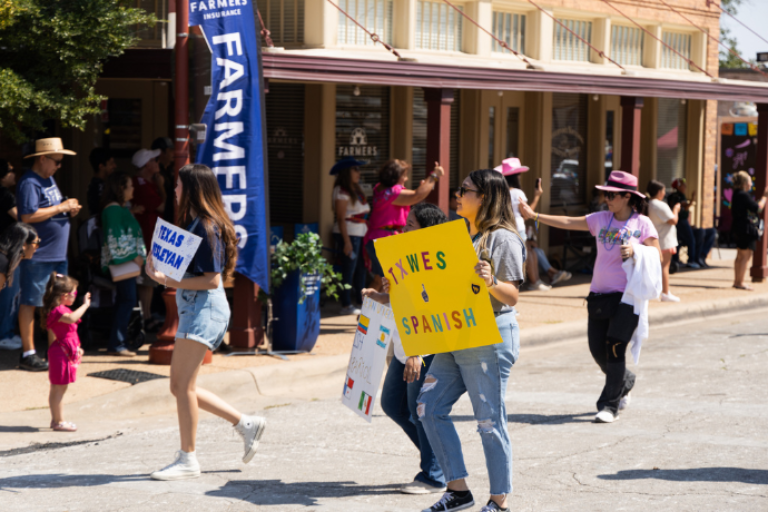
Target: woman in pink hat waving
612	323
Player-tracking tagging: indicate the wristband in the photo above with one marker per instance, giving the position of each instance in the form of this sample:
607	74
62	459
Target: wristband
435	177
495	283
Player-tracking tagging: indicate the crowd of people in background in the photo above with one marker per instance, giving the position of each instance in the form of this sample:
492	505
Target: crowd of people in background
35	225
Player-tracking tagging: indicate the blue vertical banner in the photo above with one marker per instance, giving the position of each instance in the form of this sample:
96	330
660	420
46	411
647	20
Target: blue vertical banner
235	144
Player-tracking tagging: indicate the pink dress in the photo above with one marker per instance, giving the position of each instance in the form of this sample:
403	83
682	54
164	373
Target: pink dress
63	358
386	218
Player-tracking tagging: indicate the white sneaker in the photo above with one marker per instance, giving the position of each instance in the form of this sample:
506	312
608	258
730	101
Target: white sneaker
350	310
561	276
185	466
417	487
12	343
606	416
624	403
668	297
539	286
251	428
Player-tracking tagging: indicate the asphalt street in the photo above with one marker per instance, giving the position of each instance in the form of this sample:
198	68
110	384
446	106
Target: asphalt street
693	439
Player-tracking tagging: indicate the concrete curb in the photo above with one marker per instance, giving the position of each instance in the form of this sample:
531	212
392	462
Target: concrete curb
672	313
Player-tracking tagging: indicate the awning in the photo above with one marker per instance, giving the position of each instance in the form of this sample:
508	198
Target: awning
318	68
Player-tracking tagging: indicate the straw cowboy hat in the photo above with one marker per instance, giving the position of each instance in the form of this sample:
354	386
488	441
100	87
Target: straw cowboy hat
620	181
52	146
511	166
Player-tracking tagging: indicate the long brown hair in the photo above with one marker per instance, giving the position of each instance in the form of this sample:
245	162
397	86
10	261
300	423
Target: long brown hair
114	188
58	286
496	210
200	193
344	181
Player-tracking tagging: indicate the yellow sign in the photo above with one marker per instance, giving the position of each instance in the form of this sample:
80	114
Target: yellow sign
440	303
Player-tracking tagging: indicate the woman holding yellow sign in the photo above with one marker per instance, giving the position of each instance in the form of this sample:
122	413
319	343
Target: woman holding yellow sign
482	372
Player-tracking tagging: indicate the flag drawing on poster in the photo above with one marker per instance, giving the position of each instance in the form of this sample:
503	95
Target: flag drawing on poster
348	385
365	403
362	324
384	334
368	358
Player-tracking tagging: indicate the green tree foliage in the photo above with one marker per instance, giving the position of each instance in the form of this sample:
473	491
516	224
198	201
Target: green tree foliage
727	59
51	54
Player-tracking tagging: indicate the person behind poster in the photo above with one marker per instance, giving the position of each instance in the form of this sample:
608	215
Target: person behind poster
482	372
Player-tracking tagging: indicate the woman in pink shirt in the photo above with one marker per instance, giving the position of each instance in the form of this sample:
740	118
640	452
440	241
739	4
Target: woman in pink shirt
390	207
611	322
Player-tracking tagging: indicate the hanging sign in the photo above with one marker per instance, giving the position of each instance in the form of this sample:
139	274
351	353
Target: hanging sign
440	303
234	117
373	335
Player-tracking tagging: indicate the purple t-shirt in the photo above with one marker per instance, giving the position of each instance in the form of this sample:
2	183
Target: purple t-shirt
609	277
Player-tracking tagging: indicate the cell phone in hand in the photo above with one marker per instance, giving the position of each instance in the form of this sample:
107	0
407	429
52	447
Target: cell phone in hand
538	182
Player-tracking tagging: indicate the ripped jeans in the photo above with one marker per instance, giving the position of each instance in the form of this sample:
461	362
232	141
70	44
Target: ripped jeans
483	373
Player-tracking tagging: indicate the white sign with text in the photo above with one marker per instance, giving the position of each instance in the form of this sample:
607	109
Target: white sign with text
172	249
373	335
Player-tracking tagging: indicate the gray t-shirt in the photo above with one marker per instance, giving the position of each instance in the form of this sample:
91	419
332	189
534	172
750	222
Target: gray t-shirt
507	253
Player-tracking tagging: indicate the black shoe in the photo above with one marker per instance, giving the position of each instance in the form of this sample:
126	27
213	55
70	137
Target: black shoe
451	502
492	506
33	363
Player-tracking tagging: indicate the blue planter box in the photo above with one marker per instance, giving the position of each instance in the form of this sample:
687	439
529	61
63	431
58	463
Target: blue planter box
297	326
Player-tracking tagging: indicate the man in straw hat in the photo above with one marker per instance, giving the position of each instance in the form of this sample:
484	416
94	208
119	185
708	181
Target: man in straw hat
41	204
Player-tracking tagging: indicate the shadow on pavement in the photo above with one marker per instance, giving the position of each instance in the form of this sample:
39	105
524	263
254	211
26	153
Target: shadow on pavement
277	492
539	419
746	476
19	429
58	480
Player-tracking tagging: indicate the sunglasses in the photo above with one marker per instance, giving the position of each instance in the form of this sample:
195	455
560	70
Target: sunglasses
73	293
463	191
57	162
611	195
36	242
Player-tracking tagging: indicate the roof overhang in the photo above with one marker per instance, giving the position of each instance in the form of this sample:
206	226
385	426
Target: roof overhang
315	68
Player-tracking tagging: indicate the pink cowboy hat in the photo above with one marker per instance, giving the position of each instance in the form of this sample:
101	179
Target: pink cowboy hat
620	181
510	166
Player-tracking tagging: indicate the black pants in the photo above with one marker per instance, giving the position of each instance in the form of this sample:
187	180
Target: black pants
610	328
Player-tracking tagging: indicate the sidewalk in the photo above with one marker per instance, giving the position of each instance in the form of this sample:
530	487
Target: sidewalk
544	317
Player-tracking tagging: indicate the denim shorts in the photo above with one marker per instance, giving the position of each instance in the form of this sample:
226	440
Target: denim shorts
34	278
203	316
375	265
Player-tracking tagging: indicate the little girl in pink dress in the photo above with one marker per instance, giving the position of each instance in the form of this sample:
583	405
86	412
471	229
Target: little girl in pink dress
64	352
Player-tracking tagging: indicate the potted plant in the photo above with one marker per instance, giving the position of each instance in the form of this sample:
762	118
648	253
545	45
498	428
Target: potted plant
299	271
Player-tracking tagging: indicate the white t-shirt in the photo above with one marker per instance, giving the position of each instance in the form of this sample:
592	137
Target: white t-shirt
357	210
397	345
659	212
517	194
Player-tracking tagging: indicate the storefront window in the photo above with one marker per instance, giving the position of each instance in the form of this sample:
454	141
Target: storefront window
420	138
362	128
566	46
375	15
682	44
671	137
285	152
438	26
513	131
609	117
569	163
627	45
510	28
284	19
491	137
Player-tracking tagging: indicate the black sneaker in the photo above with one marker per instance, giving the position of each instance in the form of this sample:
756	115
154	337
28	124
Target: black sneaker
451	502
33	363
492	506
